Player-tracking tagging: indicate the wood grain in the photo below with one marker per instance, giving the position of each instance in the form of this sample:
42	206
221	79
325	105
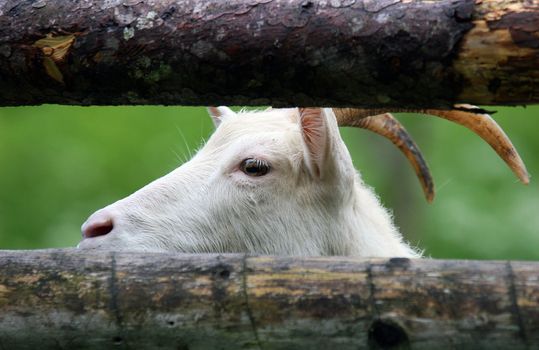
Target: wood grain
68	299
339	53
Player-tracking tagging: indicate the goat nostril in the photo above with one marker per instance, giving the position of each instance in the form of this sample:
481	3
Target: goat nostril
96	228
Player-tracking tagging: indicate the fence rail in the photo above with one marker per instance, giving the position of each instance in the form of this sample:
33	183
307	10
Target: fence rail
53	299
363	53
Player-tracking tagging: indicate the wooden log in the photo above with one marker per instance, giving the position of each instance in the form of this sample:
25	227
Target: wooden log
363	53
68	299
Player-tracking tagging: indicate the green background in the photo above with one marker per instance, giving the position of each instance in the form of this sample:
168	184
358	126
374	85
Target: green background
59	164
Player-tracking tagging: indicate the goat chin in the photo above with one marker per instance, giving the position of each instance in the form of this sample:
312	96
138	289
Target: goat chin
277	182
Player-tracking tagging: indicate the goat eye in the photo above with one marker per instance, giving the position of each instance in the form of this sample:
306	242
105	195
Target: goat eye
254	167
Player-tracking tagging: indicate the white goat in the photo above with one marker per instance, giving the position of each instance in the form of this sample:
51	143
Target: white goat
277	182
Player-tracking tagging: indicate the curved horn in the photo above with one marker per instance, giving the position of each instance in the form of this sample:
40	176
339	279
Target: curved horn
387	126
471	117
478	121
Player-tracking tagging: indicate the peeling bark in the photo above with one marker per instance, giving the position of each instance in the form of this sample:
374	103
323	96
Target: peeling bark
365	53
68	299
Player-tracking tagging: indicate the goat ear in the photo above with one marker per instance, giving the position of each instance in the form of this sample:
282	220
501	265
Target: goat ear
317	128
217	114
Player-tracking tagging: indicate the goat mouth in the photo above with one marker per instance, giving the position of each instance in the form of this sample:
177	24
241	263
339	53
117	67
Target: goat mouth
91	243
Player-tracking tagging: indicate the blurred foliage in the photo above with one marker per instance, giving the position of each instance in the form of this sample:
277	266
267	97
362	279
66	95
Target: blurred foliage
59	164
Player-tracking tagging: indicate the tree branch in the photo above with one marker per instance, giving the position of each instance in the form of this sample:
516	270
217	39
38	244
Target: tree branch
366	53
80	300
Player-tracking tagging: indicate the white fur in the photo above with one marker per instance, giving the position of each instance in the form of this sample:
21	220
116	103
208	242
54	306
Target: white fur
312	201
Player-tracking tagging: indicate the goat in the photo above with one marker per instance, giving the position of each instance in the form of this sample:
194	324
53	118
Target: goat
277	182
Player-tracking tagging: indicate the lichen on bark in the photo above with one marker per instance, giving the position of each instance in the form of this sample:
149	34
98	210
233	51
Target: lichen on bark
365	53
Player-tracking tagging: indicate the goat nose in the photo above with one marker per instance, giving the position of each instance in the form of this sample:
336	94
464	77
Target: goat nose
98	224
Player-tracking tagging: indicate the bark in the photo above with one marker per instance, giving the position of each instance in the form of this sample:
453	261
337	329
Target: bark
68	299
365	53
